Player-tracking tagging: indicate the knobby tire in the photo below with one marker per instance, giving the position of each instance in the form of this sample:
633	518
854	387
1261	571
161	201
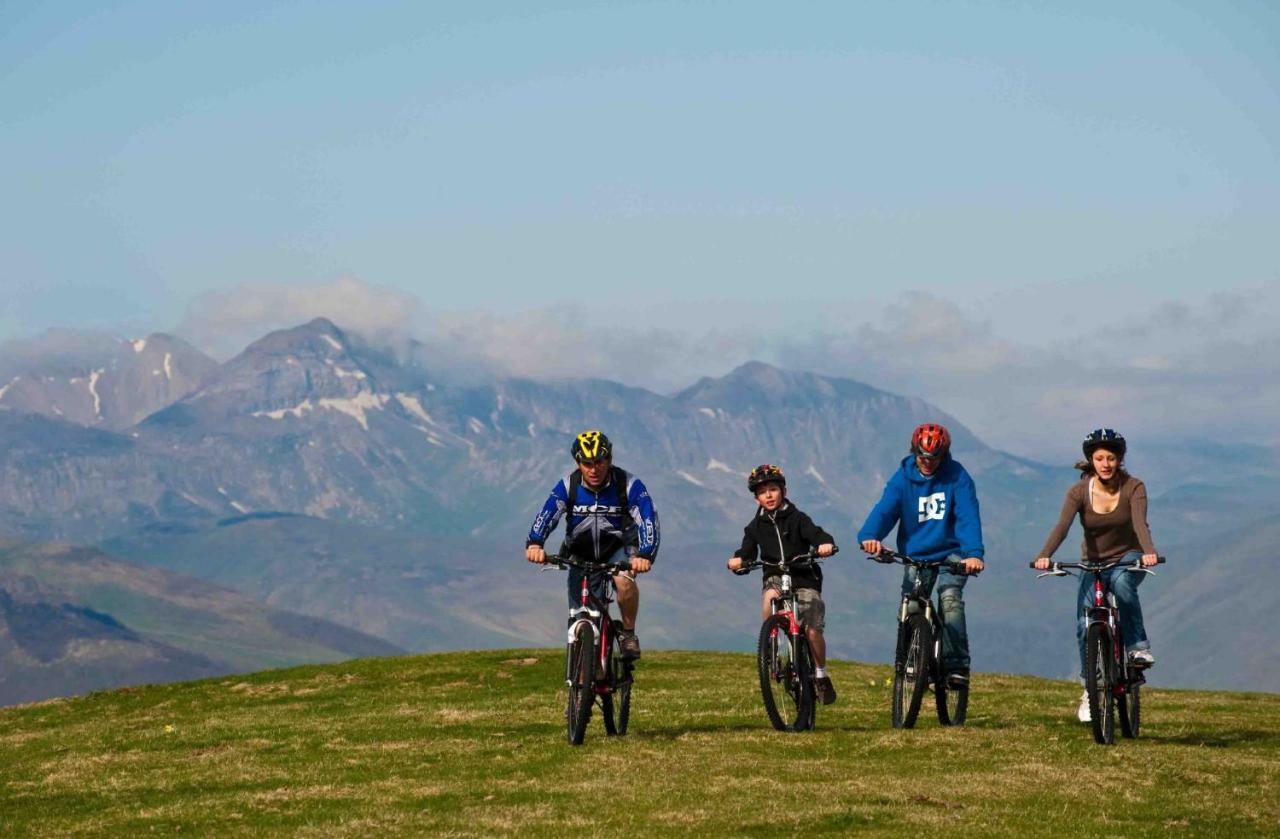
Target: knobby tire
581	677
787	697
911	670
1130	707
1098	681
619	698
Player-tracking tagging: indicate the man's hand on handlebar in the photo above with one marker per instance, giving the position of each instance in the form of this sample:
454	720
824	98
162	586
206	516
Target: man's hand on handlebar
973	565
826	550
640	565
1149	559
873	547
735	563
535	554
1042	563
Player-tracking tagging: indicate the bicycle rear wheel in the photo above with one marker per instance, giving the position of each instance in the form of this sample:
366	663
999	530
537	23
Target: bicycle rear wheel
911	670
580	676
1130	707
952	702
807	713
619	697
1098	679
781	687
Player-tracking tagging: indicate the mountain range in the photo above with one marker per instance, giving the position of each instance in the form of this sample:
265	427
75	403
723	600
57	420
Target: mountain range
325	474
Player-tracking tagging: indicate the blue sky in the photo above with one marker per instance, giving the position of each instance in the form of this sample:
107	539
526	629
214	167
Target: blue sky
685	166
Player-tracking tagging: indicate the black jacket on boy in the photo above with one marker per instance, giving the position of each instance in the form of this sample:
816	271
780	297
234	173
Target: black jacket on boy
787	531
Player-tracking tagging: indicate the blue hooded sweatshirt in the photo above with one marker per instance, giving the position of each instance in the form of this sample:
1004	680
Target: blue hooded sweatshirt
937	516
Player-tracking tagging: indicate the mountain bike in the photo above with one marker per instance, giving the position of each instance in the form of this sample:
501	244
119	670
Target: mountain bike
595	670
783	658
1112	682
917	661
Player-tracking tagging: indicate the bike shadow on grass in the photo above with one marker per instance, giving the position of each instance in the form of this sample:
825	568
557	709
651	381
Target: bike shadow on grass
1216	738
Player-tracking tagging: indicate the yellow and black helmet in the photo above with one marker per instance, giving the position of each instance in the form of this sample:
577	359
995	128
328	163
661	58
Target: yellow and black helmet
591	445
763	474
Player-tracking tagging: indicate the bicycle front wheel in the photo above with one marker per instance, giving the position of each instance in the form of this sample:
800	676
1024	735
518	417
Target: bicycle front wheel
581	678
911	670
1098	678
781	685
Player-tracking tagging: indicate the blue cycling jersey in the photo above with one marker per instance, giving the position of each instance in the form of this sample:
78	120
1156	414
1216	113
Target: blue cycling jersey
601	522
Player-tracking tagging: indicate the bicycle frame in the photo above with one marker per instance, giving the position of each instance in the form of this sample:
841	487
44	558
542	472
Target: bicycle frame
594	612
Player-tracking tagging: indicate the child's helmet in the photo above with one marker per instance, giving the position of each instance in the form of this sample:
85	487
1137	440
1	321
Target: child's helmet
591	446
763	474
930	440
1104	438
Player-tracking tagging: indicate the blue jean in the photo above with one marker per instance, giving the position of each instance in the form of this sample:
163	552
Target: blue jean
1125	587
955	637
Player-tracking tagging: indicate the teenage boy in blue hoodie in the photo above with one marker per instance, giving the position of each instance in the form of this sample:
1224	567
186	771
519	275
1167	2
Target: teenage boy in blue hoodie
932	500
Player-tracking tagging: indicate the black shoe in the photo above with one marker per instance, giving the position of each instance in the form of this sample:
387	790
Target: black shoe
826	691
629	644
957	680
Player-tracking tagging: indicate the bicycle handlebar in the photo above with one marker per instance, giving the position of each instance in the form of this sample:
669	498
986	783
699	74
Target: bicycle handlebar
564	563
954	565
1101	565
809	558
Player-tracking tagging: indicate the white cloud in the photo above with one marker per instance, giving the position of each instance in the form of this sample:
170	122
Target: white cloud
1180	369
223	322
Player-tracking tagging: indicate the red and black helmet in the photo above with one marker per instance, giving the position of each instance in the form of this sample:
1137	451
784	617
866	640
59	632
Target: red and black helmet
763	474
930	440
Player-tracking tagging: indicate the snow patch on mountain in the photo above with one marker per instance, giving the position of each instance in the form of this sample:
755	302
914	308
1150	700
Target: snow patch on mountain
431	436
816	474
345	374
475	425
168	366
4	389
332	342
533	432
414	406
354	407
714	465
139	345
690	478
711	412
93	388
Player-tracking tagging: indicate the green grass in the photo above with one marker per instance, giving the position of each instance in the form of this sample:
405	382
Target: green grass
473	744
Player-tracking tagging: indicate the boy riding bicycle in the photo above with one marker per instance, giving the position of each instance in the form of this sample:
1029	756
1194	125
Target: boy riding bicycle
781	531
934	504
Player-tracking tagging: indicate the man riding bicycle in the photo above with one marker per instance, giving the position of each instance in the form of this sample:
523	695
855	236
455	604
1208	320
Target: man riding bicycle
610	511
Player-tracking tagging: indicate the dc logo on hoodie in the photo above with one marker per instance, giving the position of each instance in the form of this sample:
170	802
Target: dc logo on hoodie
933	506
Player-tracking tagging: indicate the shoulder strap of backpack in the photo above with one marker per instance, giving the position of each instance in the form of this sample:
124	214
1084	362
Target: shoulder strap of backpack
620	481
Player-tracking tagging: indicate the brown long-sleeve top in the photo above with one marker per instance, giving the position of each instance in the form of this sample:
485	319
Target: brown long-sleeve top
1106	535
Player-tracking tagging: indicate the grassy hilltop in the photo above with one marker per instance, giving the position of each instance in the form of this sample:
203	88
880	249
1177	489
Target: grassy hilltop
473	744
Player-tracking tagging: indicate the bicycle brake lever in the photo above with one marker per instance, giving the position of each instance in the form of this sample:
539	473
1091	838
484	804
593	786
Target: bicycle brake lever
1056	573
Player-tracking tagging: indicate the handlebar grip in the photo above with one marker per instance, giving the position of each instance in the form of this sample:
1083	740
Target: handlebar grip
1032	564
1160	560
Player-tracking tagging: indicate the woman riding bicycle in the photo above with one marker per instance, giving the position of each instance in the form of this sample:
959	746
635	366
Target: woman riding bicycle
1112	507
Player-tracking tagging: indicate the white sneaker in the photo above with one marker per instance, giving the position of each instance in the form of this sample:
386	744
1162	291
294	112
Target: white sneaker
1082	713
1142	658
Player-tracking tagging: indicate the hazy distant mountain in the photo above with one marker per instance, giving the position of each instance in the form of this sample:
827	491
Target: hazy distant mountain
73	620
101	382
405	497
